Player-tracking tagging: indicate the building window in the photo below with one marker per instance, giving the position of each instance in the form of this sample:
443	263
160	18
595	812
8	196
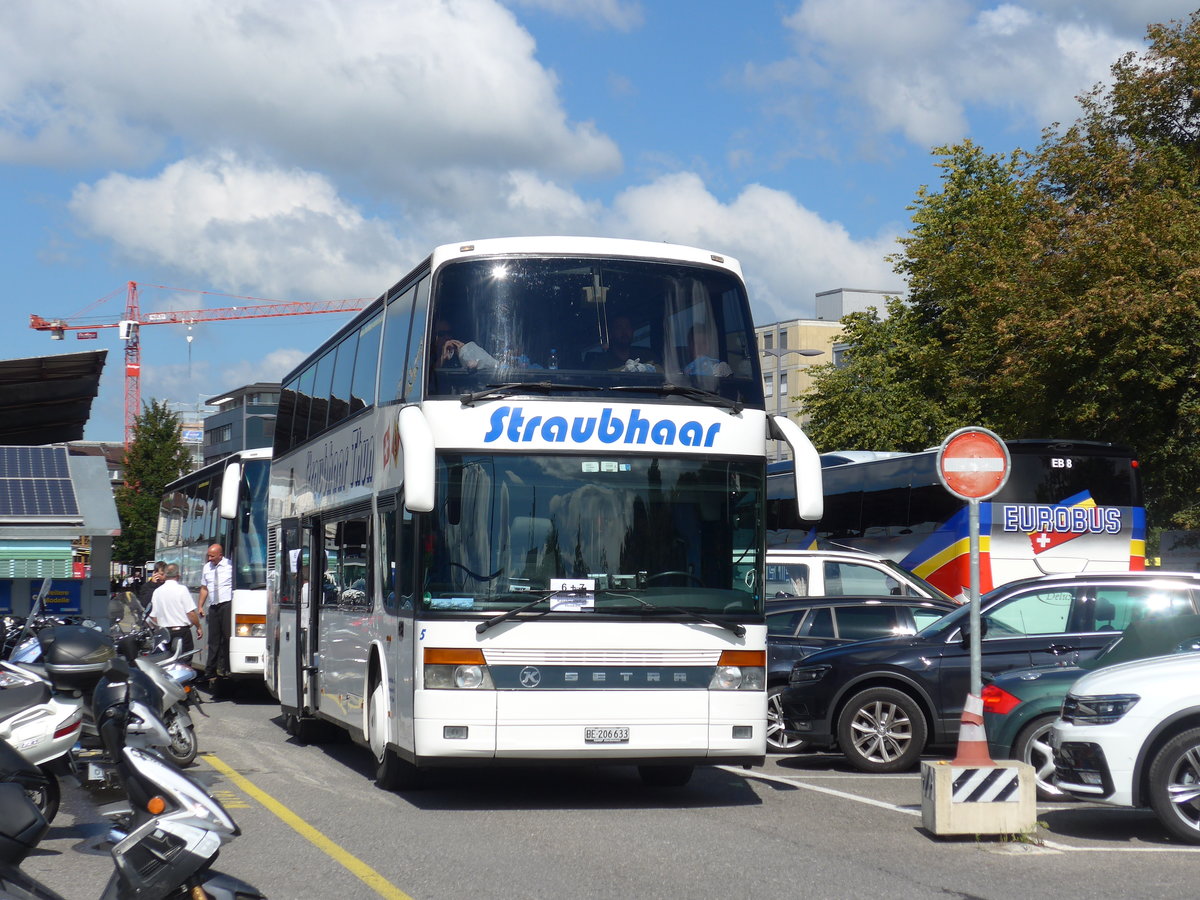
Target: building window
782	338
768	340
218	435
783	389
768	385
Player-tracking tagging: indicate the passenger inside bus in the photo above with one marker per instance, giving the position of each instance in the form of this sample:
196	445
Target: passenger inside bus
702	360
621	354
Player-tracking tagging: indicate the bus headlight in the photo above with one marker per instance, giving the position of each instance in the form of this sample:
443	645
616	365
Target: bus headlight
740	670
245	626
450	669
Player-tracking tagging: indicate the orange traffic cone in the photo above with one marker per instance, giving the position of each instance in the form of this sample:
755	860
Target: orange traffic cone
972	740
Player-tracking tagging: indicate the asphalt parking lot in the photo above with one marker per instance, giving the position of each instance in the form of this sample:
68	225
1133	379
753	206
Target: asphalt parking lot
1063	827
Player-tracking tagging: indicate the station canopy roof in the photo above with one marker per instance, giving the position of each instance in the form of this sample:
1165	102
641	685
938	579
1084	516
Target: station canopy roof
48	399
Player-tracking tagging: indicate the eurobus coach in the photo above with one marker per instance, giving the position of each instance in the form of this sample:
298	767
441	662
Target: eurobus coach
517	510
1068	506
224	503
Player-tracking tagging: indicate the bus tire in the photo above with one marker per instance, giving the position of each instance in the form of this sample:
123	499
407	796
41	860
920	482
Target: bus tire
666	776
303	731
391	772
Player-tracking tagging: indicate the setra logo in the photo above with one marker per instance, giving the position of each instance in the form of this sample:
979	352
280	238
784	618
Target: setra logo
610	427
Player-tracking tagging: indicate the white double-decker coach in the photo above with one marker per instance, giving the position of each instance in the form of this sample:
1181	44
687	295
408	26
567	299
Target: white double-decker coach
517	514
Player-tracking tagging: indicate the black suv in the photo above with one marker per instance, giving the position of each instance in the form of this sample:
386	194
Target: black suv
799	626
883	701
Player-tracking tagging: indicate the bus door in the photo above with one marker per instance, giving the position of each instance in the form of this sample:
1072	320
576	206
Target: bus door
397	621
292	651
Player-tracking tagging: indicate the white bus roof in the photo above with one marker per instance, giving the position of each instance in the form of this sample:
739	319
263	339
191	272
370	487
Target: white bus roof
583	246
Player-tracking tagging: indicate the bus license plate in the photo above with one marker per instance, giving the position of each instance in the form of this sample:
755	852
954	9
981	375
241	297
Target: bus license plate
606	735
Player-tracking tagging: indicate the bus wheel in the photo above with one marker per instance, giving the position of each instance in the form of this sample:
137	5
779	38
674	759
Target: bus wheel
666	776
391	772
302	731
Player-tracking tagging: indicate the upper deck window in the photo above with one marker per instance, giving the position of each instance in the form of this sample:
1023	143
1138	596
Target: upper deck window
589	325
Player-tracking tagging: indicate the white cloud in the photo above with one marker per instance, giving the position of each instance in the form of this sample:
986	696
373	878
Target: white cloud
274	233
244	227
788	253
622	15
921	68
380	91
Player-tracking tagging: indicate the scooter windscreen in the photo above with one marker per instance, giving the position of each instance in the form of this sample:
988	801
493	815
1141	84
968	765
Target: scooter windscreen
194	805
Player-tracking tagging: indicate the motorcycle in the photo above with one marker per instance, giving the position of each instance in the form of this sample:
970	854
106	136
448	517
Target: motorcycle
163	847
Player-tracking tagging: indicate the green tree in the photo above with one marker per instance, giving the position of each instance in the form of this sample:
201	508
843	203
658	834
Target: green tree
155	457
1053	293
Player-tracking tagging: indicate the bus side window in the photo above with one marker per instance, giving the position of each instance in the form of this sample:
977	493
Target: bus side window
389	554
366	365
396	324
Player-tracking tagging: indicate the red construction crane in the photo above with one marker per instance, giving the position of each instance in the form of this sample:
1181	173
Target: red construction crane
134	320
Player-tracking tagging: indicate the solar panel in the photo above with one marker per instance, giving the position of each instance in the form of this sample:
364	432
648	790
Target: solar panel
35	482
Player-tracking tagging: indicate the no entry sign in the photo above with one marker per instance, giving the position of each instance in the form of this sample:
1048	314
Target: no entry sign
973	463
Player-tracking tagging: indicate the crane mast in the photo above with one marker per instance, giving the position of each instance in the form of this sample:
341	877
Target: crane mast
130	326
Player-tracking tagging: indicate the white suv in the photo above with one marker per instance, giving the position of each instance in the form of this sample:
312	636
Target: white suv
840	573
1129	735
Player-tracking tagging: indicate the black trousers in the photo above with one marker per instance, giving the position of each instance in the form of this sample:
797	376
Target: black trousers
220	623
184	634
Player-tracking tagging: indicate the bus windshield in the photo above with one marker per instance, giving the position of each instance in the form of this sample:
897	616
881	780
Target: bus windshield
587	325
251	525
635	535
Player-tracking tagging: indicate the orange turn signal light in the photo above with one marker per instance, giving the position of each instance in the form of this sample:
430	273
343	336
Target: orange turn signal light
453	656
743	658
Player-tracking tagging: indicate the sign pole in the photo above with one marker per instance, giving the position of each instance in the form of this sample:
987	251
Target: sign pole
976	646
973	465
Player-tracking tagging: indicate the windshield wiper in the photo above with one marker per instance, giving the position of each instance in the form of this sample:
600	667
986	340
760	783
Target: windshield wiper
498	391
739	630
514	612
686	390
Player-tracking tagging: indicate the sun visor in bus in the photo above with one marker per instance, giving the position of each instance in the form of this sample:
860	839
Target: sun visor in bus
416	443
810	500
231	480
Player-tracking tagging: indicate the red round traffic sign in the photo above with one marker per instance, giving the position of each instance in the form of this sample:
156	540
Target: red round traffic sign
973	463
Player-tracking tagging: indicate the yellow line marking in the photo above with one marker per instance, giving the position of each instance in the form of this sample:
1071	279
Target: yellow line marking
347	860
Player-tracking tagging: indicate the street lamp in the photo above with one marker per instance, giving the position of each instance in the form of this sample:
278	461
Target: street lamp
779	353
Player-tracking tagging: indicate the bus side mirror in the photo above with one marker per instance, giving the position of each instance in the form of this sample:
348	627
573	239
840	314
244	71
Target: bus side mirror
231	481
416	445
810	496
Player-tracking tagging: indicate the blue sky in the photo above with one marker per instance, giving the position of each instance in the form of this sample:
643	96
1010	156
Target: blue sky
317	150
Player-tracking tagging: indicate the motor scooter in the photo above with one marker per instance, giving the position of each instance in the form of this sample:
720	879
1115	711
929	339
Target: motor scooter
42	704
164	847
41	724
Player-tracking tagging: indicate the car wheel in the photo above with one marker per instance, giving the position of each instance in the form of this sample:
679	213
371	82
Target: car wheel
882	730
1033	747
1175	786
777	739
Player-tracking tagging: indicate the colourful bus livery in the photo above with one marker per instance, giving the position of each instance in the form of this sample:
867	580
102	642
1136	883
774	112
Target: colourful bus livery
1067	507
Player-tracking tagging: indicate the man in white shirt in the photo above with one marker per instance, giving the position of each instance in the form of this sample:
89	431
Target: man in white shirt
216	592
174	609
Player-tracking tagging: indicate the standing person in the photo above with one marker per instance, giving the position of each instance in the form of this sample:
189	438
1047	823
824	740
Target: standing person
174	609
154	580
216	590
